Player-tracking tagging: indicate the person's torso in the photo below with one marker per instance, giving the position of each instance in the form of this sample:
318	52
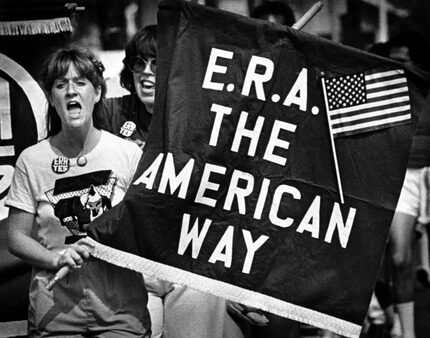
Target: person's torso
128	118
71	195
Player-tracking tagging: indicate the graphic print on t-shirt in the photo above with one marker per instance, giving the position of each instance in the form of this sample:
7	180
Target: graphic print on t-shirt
78	200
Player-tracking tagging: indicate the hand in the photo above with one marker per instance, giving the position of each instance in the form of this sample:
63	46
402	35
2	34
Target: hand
140	143
249	314
75	254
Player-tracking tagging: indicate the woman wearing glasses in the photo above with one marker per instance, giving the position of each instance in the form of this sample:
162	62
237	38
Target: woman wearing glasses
130	116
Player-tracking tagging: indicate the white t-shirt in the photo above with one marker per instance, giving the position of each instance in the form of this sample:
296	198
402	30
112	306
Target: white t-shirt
64	203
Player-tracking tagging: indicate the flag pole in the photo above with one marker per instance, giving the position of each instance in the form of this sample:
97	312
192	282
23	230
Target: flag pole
333	147
308	15
298	26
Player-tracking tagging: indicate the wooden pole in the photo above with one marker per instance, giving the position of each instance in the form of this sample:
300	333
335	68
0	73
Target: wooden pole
308	15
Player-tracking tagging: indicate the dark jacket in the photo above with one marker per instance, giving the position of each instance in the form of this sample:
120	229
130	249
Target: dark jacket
119	110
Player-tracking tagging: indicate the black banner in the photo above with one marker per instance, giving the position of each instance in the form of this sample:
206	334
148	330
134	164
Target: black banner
237	194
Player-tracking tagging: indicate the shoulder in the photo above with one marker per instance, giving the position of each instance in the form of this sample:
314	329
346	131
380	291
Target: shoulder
113	104
119	144
34	157
34	152
118	110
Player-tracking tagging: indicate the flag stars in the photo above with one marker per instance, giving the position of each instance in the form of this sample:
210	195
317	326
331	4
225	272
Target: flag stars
346	91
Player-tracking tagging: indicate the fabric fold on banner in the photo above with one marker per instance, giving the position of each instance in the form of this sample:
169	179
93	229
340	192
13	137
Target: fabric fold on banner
236	192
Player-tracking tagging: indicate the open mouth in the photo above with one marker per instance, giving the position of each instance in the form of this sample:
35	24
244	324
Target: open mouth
147	85
73	106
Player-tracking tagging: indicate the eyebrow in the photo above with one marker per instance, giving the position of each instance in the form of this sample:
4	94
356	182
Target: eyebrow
74	78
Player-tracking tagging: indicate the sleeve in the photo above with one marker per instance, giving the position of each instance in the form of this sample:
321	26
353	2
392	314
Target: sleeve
114	113
20	194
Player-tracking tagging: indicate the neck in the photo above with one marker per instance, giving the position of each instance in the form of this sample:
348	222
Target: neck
76	142
149	108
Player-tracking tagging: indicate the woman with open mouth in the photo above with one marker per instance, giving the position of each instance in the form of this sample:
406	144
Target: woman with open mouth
59	186
129	116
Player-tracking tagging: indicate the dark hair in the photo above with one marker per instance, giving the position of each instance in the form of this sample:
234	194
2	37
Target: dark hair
417	44
275	8
57	65
144	44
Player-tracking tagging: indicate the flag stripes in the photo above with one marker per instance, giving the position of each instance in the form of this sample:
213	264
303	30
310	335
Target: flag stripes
350	129
370	106
379	74
386	101
371	85
369	115
371	95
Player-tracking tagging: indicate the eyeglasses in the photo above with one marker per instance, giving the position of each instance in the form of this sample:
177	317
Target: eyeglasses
138	64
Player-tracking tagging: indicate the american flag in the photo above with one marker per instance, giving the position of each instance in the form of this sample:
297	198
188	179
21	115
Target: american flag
367	101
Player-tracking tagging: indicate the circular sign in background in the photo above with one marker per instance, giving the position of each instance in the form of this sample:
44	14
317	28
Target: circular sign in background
22	118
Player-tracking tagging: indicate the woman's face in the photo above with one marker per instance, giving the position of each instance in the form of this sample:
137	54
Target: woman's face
144	81
73	97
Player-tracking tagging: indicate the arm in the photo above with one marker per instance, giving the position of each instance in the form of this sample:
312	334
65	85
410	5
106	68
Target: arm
22	245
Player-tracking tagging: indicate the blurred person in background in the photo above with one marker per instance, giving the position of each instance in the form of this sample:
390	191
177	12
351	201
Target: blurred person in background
275	12
412	50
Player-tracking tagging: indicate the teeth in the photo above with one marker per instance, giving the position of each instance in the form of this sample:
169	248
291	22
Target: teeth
147	84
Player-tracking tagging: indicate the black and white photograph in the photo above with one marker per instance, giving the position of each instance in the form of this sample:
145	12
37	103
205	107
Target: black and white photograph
215	168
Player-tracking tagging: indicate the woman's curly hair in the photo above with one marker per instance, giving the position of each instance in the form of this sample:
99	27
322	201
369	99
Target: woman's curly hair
143	44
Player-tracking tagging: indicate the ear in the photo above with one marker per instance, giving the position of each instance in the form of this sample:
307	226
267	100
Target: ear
98	94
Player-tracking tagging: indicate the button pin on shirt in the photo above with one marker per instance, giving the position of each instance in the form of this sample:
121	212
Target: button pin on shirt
60	165
128	129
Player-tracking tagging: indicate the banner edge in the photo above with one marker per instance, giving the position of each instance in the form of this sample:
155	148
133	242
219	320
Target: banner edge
225	290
